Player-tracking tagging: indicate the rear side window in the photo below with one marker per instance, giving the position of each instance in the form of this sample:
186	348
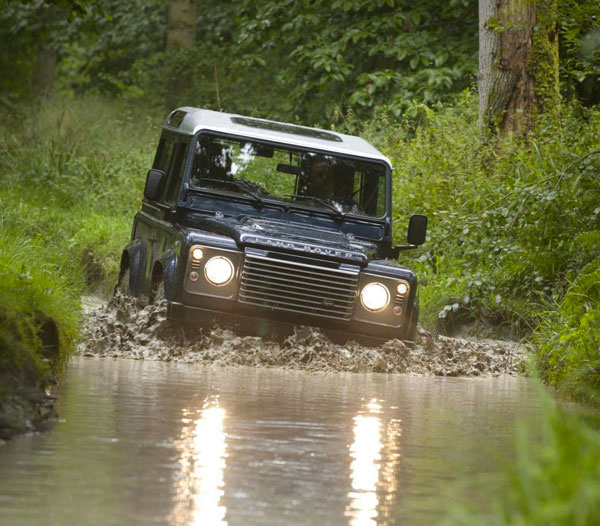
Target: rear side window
164	153
176	172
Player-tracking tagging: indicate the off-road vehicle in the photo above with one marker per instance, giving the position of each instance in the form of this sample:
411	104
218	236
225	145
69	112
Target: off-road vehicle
262	224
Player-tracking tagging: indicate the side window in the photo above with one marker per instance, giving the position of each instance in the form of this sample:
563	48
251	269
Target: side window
176	172
159	151
164	153
164	156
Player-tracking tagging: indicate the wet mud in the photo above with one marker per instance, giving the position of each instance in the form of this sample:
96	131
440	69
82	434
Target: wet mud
123	329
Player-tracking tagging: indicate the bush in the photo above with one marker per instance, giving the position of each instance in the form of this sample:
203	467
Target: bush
513	229
569	339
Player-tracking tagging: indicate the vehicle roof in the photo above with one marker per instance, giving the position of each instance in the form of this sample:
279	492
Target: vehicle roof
189	121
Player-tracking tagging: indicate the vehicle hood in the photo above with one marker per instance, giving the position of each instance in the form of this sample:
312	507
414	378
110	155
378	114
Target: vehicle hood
290	236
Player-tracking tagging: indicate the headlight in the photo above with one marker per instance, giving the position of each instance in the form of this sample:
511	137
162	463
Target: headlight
375	297
218	270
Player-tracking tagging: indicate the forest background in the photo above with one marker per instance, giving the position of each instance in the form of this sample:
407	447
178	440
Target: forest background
513	245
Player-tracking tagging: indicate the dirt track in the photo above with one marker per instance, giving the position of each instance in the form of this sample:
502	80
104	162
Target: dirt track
120	329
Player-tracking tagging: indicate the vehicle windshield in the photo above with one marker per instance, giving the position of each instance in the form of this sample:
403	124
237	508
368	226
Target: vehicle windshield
265	172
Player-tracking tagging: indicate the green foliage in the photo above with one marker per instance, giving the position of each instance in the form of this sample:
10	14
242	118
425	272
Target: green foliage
257	55
503	212
579	40
114	41
332	56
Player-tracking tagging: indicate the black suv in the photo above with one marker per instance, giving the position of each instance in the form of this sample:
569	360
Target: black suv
262	225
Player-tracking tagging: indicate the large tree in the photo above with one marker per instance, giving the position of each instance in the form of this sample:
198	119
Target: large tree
181	34
518	62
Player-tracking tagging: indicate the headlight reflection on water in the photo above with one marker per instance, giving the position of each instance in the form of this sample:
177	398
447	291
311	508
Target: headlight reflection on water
368	470
202	453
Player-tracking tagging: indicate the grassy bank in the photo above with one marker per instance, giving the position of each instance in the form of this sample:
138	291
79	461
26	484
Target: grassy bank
39	321
71	175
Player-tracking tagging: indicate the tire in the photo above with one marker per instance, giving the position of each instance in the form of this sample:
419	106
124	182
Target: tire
122	286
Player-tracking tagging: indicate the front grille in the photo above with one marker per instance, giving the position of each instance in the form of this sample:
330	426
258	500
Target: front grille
298	287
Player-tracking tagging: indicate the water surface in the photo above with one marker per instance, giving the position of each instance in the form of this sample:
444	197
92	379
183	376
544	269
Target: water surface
151	442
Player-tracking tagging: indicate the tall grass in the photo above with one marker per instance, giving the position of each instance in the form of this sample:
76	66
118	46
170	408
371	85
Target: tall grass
72	175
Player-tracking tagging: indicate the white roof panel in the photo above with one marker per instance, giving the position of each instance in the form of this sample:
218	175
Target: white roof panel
190	120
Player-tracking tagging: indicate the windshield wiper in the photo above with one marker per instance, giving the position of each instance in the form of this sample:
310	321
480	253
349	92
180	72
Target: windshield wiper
238	184
324	202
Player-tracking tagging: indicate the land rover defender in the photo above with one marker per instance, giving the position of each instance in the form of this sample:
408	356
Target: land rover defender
261	224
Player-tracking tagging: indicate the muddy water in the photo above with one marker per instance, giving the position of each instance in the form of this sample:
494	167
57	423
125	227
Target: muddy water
147	442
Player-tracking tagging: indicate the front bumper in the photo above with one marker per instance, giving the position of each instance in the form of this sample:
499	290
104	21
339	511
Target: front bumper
266	323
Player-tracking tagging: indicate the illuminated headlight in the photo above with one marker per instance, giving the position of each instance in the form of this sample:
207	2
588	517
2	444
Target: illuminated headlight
218	271
197	253
375	297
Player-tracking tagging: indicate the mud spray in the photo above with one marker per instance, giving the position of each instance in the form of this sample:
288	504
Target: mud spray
122	329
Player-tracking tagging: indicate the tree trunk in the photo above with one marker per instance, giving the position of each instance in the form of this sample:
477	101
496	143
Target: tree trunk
43	77
181	24
518	62
181	34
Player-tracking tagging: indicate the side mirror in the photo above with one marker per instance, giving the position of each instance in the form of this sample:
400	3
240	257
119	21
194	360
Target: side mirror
155	184
417	230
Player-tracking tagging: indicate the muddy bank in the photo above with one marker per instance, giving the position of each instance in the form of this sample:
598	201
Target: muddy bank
120	329
24	407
